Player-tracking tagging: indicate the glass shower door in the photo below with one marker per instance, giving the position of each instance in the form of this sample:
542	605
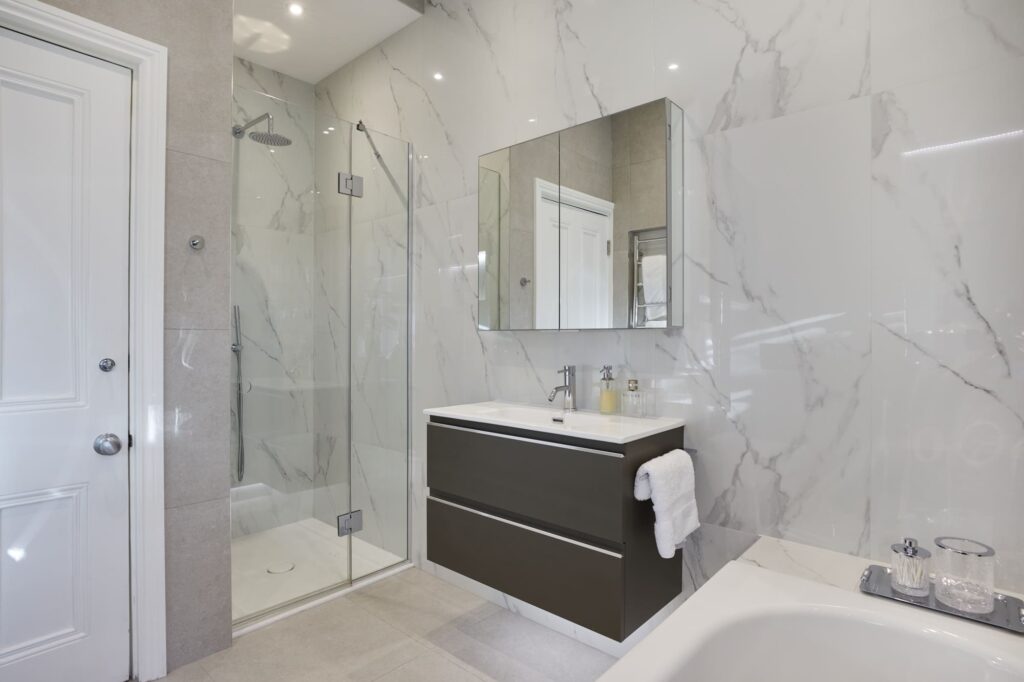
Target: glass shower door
380	350
289	406
320	401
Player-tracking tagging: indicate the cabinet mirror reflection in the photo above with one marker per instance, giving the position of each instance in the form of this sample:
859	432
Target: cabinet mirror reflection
583	228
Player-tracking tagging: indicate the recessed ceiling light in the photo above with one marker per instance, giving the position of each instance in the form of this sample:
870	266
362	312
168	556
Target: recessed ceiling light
438	76
331	128
296	9
673	66
531	120
327	132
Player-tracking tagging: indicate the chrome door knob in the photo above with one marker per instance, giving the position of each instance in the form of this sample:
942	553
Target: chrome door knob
107	444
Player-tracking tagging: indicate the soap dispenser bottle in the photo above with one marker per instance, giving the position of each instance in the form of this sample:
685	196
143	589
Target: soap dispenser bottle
609	403
633	400
910	568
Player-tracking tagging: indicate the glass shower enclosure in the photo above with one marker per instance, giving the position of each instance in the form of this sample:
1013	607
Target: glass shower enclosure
320	340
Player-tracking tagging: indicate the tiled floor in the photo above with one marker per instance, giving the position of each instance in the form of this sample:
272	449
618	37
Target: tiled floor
318	557
410	626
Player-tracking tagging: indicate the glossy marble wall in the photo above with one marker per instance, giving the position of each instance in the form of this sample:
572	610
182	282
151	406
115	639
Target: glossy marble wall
197	34
272	282
851	363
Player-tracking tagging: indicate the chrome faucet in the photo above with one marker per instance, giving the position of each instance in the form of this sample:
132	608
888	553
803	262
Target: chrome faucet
568	389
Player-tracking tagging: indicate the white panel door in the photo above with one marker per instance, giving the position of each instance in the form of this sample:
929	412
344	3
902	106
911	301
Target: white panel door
65	121
586	269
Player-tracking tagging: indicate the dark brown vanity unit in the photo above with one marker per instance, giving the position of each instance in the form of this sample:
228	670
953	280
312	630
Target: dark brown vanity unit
550	518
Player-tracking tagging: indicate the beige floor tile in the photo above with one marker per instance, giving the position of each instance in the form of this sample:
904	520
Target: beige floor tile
485	660
193	672
413	609
411	626
476	607
431	667
545	651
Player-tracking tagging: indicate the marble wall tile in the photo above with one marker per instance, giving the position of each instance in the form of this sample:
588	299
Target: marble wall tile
919	40
273	270
797	115
948	315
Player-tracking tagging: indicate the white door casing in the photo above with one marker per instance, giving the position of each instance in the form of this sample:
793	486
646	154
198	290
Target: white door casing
148	62
65	134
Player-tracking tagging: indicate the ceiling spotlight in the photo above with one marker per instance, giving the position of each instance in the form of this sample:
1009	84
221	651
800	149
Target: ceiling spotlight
296	9
673	66
438	76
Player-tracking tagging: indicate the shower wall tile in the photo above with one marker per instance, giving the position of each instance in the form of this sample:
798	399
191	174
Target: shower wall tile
197	283
196	418
273	271
292	91
810	242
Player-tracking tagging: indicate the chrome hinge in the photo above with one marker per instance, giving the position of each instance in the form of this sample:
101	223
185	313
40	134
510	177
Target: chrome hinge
349	184
608	247
350	523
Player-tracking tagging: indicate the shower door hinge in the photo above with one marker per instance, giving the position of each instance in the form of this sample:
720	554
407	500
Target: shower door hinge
350	523
350	184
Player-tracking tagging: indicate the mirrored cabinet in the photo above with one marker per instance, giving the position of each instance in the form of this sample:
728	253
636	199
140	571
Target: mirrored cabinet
583	228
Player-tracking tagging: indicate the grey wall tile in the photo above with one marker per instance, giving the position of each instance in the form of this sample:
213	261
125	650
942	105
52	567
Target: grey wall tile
198	581
197	34
196	416
197	283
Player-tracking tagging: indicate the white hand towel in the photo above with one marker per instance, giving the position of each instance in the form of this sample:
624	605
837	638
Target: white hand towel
668	482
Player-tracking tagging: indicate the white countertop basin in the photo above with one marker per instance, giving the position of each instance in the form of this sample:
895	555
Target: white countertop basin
581	424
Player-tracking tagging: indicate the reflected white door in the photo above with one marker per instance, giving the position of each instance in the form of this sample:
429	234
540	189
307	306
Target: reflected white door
64	182
586	268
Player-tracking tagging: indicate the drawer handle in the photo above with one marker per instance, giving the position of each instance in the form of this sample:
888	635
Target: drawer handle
577	448
525	527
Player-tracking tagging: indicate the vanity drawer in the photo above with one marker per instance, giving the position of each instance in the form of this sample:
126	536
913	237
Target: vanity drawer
582	583
562	486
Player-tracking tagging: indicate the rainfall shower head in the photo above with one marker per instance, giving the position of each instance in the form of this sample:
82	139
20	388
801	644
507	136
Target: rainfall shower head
269	138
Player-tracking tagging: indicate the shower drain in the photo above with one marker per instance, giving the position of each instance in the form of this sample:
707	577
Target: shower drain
283	567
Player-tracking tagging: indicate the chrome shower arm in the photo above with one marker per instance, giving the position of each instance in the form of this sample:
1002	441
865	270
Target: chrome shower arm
239	130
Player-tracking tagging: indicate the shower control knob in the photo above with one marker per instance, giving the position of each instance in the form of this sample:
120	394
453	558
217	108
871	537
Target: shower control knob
107	365
107	444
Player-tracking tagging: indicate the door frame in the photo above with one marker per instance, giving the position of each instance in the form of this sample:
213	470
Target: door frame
148	63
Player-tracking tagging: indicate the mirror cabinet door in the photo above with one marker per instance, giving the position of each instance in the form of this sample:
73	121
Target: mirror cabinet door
582	229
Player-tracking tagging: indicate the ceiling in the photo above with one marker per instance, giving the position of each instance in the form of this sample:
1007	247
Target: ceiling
327	35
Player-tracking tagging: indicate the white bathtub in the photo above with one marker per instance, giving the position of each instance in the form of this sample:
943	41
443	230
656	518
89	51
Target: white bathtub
752	624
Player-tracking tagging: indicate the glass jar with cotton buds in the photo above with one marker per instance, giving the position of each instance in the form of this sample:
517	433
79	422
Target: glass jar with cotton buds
910	568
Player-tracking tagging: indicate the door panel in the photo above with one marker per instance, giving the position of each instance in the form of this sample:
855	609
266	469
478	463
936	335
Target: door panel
64	182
